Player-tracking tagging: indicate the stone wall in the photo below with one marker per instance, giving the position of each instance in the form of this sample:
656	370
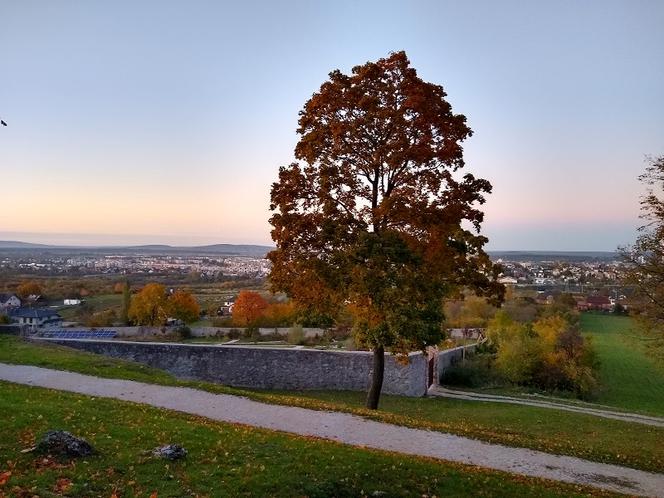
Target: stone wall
266	367
450	357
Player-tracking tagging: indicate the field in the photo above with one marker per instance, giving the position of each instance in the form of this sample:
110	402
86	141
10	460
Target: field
559	432
630	378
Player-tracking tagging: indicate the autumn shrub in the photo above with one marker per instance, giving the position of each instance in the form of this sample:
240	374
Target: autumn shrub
336	334
549	354
4	319
296	335
104	318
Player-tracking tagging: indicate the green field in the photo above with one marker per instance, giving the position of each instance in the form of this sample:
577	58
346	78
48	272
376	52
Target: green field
553	431
629	377
223	459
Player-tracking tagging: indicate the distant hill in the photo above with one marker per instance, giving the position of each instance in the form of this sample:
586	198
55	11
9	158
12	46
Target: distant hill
14	244
539	256
248	250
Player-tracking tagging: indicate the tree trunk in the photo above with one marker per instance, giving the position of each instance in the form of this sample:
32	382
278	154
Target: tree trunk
373	396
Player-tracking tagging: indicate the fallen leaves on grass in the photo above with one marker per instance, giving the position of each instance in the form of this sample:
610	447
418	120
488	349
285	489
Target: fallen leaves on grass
4	477
62	485
49	463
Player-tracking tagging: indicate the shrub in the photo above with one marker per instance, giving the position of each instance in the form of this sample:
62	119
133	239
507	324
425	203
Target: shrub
233	334
296	335
549	354
183	331
475	371
252	333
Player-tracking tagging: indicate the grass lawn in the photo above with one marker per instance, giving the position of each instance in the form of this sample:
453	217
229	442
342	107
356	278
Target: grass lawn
604	440
630	378
223	459
95	303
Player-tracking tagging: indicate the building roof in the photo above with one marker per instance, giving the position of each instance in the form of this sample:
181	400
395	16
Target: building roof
34	313
598	300
5	297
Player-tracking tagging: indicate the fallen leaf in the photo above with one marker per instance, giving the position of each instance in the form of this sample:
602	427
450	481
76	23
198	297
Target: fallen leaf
62	485
4	477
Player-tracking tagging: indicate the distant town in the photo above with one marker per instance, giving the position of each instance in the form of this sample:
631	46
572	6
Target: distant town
209	262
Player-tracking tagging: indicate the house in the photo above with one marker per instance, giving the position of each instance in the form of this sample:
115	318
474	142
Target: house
599	303
507	280
35	317
9	301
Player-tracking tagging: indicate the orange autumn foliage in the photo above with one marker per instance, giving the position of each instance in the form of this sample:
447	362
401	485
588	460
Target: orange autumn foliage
249	308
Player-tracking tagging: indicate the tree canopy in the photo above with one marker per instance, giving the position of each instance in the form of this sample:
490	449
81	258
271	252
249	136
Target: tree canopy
375	216
153	305
646	256
248	308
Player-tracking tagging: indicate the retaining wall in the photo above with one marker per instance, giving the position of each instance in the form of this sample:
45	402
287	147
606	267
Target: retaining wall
266	367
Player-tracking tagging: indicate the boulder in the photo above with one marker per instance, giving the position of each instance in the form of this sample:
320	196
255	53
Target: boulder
170	452
64	444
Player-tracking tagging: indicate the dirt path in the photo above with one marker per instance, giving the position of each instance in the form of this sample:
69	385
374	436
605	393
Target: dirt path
588	410
348	429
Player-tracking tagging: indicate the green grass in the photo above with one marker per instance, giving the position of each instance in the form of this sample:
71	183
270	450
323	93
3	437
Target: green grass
552	431
629	377
94	303
223	459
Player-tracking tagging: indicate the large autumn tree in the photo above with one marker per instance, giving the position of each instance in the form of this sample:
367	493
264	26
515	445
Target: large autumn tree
376	217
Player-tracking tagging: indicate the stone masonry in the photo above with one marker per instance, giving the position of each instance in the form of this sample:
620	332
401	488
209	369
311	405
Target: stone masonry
266	367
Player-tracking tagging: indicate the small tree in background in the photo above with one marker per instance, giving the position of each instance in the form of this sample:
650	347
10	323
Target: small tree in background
375	219
149	306
183	306
27	289
248	309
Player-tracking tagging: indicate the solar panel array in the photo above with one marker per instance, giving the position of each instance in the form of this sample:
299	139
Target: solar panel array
80	334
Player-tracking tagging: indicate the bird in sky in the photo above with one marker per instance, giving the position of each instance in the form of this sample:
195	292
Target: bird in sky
3	123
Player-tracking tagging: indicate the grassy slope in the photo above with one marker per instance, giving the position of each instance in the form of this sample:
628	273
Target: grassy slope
223	459
547	430
630	378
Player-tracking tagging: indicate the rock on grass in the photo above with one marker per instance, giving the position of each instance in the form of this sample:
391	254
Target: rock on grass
64	444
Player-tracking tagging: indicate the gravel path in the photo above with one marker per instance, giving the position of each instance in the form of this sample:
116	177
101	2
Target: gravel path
348	429
597	412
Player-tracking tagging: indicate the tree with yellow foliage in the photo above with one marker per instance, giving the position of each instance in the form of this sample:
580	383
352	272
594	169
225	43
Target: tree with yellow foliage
149	306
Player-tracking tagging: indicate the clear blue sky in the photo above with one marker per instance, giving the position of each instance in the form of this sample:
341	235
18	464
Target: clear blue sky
161	121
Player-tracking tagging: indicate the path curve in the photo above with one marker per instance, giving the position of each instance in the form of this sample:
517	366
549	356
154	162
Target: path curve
597	412
348	429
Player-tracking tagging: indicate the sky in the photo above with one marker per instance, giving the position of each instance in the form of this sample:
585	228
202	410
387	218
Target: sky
166	122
